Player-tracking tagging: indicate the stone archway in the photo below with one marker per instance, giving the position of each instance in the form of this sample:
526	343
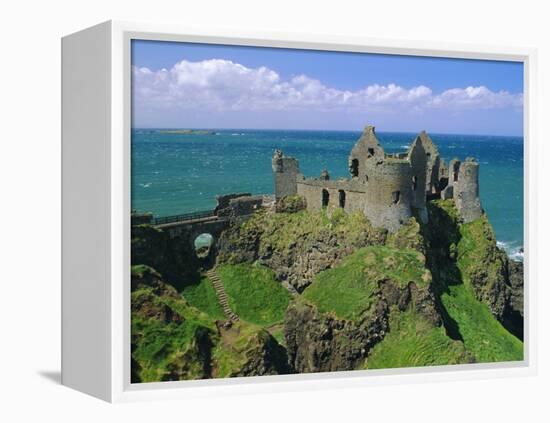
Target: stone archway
203	244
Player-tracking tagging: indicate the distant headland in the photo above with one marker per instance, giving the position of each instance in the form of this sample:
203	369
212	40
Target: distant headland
186	131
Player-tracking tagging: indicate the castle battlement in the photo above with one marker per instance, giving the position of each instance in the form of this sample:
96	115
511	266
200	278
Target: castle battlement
387	188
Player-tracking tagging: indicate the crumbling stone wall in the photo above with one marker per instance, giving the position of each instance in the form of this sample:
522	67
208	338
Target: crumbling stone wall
386	187
418	160
353	191
366	147
466	191
433	162
285	172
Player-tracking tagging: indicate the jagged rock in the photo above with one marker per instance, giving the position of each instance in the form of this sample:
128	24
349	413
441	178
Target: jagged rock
515	277
264	357
318	342
290	204
297	246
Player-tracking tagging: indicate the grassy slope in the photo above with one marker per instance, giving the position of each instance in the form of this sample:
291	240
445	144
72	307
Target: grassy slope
348	289
254	294
203	296
483	335
159	344
412	342
230	354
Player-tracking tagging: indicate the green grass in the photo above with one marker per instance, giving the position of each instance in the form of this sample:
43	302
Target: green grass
348	290
254	294
159	345
413	342
203	296
140	270
230	357
483	335
283	230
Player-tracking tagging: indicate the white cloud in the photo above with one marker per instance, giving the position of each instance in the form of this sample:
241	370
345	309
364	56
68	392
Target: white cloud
222	85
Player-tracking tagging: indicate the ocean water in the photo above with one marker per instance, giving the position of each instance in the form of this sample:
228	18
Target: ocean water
179	173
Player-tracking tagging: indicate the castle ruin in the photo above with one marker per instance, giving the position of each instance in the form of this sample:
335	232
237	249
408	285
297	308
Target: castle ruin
388	188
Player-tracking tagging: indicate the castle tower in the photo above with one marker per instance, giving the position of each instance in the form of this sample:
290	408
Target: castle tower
285	172
418	160
466	190
365	148
389	192
433	163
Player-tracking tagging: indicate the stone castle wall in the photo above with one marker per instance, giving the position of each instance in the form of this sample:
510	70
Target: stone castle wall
466	191
312	190
418	160
285	170
389	193
387	188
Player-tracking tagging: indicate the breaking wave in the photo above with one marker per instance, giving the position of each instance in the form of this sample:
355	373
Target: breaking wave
514	251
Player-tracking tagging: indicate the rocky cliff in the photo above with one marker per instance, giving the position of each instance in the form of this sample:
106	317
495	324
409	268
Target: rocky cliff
297	245
360	298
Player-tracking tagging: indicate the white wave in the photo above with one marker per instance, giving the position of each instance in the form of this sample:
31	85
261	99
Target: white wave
405	146
514	252
147	185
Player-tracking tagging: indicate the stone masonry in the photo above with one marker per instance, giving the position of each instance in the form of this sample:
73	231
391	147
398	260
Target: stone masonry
387	188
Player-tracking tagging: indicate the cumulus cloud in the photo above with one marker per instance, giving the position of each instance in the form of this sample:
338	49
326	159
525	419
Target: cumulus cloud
222	85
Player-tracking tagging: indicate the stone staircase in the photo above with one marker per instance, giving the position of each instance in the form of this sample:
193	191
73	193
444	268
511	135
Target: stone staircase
222	295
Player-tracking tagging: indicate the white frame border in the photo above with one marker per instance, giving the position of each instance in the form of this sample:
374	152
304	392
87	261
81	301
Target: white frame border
119	284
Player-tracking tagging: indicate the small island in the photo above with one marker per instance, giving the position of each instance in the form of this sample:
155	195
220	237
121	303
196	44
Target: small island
186	131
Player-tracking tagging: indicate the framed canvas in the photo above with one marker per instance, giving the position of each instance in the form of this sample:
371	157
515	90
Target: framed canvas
250	212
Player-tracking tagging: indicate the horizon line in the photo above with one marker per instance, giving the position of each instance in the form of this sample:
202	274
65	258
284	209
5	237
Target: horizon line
320	130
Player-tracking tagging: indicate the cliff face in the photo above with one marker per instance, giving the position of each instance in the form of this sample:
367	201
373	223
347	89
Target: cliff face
297	246
472	249
429	294
172	340
319	342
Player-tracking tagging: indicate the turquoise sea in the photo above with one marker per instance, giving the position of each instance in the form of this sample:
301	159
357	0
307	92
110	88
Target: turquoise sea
179	173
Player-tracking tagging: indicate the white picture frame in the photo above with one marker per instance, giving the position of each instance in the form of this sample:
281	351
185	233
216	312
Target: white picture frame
96	112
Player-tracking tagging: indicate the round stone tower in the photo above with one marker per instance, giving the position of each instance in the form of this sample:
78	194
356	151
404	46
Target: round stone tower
389	192
466	190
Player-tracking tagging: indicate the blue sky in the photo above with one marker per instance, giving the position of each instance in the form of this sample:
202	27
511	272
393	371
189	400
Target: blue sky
214	86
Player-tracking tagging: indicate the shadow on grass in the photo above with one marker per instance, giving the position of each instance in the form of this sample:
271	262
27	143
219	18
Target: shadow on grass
441	233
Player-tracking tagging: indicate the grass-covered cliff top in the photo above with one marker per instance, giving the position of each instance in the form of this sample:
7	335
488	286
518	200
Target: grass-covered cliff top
349	289
166	336
470	273
174	335
283	230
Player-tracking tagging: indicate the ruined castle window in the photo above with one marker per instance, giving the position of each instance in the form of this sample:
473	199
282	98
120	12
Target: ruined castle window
342	198
395	197
415	183
324	198
455	176
371	152
354	168
202	245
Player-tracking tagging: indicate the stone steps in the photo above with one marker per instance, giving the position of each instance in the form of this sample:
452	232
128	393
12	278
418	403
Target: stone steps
221	295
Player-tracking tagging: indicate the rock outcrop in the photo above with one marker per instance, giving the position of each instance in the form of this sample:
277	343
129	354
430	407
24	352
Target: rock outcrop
318	342
297	246
172	340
